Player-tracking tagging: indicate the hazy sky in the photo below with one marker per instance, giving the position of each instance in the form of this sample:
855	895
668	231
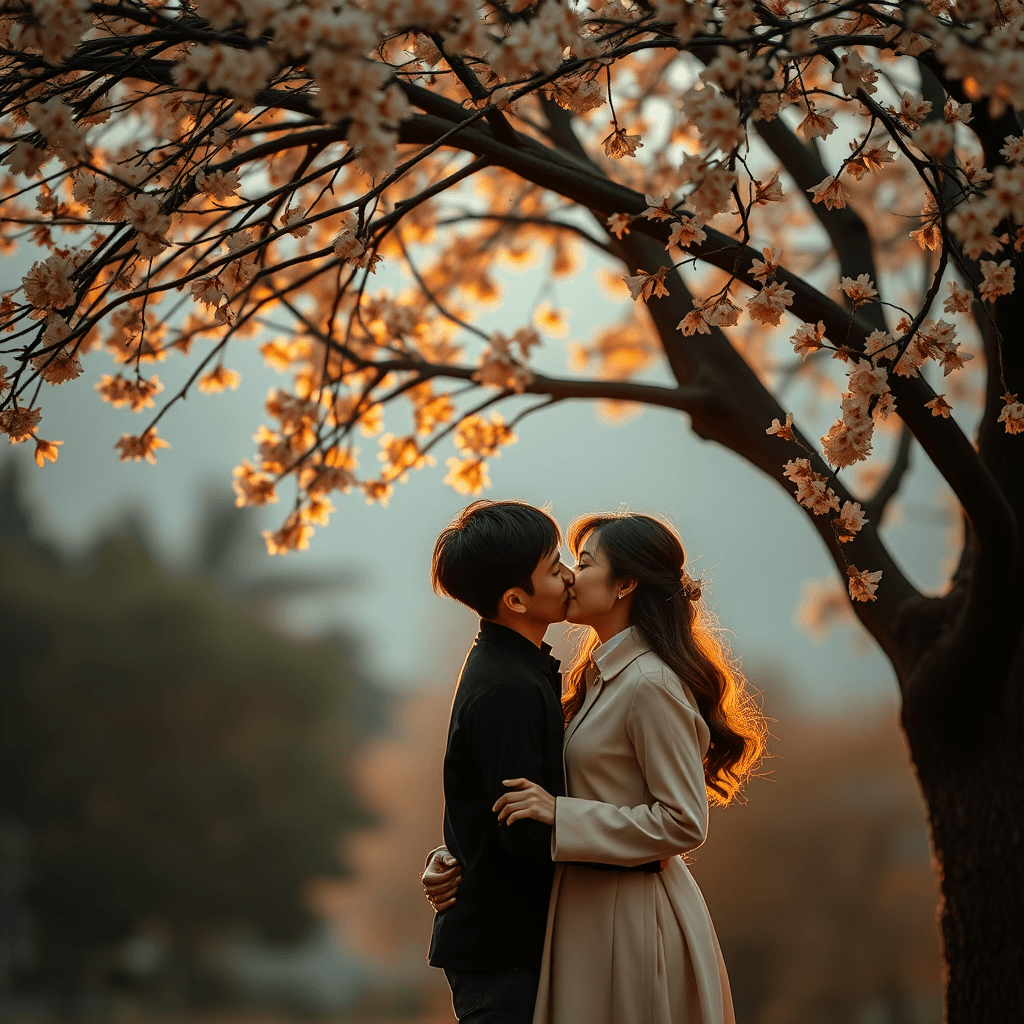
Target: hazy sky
740	529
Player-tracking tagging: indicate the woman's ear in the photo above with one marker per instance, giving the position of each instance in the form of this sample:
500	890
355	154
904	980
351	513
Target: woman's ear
627	586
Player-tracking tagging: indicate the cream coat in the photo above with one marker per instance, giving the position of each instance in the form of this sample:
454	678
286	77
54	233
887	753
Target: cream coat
626	947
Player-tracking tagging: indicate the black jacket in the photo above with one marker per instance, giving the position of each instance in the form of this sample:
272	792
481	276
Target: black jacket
506	723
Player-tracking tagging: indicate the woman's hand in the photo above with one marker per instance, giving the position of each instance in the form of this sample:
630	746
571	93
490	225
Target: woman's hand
440	879
527	800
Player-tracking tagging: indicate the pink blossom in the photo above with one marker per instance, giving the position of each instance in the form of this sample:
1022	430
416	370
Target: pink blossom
769	304
292	219
973	224
935	138
218	184
714	193
998	279
48	284
537	43
715	117
1013	150
769	192
842	446
816	125
1007	191
644	286
809	338
850	521
812	490
761	270
56	28
659	207
939	406
860	291
733	69
783	431
854	73
695	322
620	143
1012	415
687	16
498	369
914	108
19	422
25	159
618	224
830	192
55	121
878	341
143	213
865	379
862	584
347	244
227	69
574	93
958	301
685	232
722	312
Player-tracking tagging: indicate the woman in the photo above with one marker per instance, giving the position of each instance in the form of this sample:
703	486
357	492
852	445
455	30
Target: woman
657	723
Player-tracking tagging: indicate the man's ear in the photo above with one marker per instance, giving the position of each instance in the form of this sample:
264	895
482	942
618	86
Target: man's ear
512	599
627	586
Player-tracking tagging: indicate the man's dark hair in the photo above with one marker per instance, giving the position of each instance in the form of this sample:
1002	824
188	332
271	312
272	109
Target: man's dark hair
489	547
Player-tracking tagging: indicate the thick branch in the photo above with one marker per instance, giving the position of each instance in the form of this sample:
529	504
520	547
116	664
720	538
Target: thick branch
692	399
875	506
999	324
544	222
495	118
750	405
743	407
942	440
848	234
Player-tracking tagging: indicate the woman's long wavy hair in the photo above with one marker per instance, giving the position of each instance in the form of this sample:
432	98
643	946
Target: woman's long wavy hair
674	622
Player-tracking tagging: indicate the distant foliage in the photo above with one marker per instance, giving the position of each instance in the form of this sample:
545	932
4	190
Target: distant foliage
177	767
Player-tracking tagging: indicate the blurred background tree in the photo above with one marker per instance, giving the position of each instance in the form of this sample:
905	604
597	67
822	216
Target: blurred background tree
174	766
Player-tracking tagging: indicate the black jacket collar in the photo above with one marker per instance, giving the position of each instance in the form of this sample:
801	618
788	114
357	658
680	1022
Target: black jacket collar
540	656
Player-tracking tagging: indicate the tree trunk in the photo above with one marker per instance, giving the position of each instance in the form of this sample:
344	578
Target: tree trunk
968	749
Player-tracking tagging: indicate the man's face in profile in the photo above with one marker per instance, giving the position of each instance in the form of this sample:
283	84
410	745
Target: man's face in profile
551	580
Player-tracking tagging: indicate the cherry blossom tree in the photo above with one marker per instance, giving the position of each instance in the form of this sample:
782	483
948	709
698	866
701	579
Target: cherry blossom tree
820	201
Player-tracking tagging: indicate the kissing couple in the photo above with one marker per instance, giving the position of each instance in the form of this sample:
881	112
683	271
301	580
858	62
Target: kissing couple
561	895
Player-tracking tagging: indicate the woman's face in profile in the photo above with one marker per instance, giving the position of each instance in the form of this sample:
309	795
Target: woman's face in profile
594	593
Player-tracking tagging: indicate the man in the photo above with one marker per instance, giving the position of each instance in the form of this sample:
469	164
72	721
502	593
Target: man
500	558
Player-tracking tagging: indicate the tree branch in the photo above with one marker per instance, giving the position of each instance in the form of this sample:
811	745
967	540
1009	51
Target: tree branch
742	406
465	74
998	324
407	205
691	399
847	232
945	444
543	222
748	404
875	506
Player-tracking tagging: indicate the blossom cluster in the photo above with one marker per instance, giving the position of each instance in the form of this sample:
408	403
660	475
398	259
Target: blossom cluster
264	157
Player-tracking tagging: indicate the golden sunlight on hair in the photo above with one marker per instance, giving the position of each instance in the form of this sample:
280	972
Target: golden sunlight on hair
683	633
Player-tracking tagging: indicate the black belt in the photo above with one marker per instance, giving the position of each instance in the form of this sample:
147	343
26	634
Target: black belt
653	867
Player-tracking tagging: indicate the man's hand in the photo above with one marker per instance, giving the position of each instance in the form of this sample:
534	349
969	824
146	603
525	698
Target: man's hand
440	879
526	800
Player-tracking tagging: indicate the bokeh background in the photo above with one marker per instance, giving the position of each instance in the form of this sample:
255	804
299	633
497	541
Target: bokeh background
221	770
